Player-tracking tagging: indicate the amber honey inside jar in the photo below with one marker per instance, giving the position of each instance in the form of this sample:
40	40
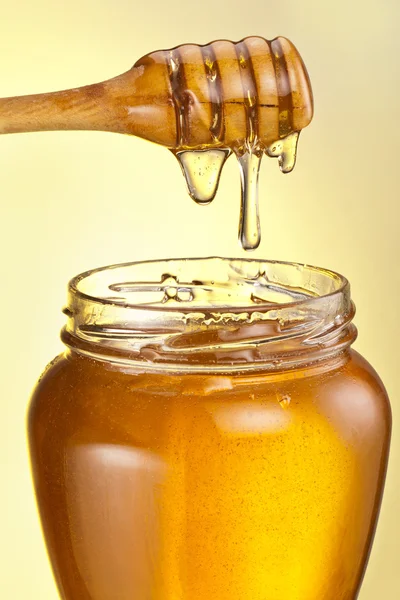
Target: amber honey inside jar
209	434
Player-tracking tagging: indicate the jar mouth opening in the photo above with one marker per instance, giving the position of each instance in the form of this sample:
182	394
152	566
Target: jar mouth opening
212	283
198	312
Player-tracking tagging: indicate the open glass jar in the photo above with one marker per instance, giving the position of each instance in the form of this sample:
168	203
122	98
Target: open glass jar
209	433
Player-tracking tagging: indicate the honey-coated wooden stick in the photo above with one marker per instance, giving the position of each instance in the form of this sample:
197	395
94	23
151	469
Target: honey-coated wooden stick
201	102
220	95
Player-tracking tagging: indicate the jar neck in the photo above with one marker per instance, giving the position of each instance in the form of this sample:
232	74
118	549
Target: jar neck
163	316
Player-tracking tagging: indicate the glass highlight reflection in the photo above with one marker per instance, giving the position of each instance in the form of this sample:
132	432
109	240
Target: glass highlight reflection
251	418
111	493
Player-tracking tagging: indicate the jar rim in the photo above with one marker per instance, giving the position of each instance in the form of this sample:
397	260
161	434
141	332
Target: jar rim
74	284
239	312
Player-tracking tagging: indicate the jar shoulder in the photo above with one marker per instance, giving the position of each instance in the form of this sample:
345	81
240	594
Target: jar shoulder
77	396
70	378
72	373
54	376
354	400
360	372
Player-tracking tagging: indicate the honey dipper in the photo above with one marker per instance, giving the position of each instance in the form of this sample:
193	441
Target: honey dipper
201	102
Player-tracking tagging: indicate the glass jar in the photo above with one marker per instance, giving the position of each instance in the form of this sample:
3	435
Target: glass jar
209	433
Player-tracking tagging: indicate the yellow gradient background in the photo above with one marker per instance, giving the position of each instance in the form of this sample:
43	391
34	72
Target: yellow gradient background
75	200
